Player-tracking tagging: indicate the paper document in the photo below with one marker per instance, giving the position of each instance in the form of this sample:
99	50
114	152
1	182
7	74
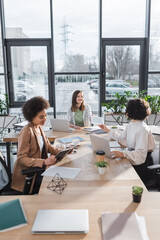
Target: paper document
70	139
120	226
64	172
114	144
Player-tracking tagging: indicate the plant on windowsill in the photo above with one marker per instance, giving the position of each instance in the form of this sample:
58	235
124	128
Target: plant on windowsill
116	107
137	193
154	103
102	166
4	105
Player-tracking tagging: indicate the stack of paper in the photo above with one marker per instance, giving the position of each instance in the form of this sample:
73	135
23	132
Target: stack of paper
64	172
123	226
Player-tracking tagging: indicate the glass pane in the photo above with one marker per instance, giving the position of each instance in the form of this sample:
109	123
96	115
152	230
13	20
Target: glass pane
1	53
2	87
123	18
29	19
153	84
76	35
122	70
154	50
29	72
67	84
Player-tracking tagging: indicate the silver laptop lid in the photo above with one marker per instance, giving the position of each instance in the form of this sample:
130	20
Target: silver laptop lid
61	125
61	222
99	143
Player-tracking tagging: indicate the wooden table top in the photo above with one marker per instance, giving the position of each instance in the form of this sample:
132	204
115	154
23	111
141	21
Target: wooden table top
97	197
110	192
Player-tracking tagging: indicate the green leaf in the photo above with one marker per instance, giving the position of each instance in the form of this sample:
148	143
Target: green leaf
102	164
137	190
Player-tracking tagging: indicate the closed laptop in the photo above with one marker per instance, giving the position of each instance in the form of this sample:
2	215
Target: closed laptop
61	125
61	222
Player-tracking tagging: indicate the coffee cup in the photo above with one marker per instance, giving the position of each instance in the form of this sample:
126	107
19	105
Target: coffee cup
100	155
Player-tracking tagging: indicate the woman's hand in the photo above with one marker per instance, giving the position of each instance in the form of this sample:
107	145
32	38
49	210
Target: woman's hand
117	154
74	126
104	128
50	160
77	127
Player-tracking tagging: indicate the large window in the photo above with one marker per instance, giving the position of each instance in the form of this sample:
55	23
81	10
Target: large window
67	84
92	42
154	50
1	55
2	87
29	69
123	18
27	19
76	35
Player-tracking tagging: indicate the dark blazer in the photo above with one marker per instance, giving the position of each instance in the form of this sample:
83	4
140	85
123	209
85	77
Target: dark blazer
29	154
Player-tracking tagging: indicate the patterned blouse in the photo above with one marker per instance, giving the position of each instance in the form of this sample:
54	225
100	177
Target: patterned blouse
86	116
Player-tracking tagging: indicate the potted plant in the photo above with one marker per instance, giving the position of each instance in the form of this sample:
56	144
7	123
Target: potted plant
102	166
154	103
116	108
137	193
4	105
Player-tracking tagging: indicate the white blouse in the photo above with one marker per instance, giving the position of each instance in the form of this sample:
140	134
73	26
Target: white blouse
138	140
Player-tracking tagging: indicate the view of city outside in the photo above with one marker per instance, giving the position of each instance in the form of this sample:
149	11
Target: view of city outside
76	47
67	84
29	72
122	70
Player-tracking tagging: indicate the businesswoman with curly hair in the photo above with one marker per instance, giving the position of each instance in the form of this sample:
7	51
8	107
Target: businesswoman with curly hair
136	138
33	145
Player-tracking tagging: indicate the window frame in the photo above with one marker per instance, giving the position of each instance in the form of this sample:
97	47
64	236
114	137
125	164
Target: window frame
143	81
29	42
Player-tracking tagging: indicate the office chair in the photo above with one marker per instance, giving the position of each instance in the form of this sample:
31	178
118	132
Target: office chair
5	179
154	170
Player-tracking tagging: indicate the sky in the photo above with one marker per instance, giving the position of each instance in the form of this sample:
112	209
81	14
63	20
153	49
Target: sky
121	18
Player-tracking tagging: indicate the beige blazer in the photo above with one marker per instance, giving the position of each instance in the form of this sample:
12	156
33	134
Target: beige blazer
29	154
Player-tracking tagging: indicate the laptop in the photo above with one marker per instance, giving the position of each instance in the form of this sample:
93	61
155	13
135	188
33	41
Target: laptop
60	125
61	222
104	144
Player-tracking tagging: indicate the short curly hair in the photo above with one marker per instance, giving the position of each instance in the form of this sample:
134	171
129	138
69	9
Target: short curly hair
33	106
137	109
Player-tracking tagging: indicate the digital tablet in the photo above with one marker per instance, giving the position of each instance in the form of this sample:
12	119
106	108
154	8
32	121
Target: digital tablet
62	154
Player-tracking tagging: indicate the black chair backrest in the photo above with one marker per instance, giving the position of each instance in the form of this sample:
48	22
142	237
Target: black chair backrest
4	173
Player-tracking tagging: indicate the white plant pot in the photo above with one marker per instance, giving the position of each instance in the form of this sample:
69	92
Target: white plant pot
102	170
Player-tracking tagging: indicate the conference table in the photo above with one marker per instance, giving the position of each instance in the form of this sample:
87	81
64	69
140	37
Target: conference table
111	192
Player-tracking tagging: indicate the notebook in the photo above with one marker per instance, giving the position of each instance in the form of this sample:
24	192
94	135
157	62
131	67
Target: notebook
96	130
61	222
70	139
60	125
103	144
120	226
12	215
